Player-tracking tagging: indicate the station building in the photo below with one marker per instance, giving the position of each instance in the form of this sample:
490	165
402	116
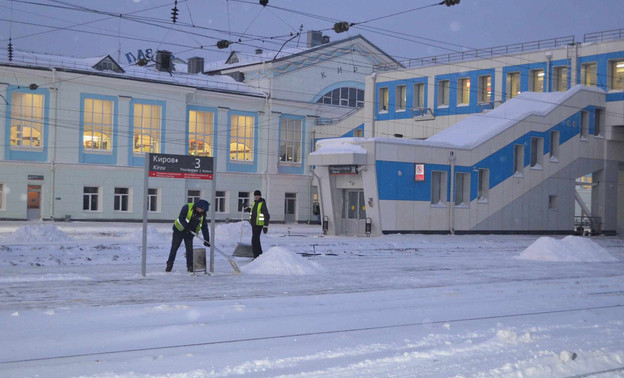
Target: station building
488	140
75	131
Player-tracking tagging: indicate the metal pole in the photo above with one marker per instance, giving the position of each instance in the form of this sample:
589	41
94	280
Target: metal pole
213	197
145	203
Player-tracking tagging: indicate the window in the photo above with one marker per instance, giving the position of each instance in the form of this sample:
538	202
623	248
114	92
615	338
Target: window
90	198
588	74
443	92
243	200
554	146
201	133
552	202
146	126
483	187
193	195
358	133
462	189
616	75
598	120
351	97
241	138
438	186
537	157
463	91
220	201
485	88
401	98
513	84
152	200
537	81
122	199
98	124
584	124
290	140
1	196
518	159
419	95
27	114
560	79
383	100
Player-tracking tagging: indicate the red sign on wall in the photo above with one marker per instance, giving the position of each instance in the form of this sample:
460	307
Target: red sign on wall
419	172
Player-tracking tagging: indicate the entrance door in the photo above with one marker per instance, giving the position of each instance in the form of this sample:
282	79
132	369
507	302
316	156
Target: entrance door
290	204
34	202
354	212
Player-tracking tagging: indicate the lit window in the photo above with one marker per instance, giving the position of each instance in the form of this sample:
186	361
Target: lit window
383	100
463	91
26	120
201	133
485	88
537	81
146	128
98	124
443	92
241	138
401	97
589	74
419	95
560	79
122	199
616	75
290	140
513	84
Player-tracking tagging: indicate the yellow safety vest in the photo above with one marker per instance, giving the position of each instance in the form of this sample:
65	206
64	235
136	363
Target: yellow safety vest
189	214
259	215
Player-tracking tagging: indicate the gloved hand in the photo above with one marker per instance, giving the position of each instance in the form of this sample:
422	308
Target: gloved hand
265	229
206	244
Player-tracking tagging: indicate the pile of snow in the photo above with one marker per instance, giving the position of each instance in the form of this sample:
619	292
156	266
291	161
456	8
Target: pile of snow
153	236
570	248
38	233
232	231
278	260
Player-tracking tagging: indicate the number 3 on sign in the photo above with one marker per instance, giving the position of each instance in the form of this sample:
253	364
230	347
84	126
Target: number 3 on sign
197	163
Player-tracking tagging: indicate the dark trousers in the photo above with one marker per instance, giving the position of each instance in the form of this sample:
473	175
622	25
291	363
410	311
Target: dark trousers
255	240
175	244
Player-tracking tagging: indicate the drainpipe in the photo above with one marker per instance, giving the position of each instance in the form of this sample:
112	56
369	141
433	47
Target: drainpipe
374	76
548	75
55	145
319	191
452	160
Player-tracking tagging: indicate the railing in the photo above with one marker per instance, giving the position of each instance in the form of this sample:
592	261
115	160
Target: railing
608	35
332	121
479	53
587	226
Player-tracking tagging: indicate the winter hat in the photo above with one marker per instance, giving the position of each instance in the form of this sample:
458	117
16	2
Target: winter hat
203	204
257	193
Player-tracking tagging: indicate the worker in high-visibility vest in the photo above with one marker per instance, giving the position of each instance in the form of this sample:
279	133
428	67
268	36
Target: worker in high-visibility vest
191	218
259	219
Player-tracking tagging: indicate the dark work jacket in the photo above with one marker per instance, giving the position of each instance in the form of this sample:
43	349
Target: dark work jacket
254	212
193	223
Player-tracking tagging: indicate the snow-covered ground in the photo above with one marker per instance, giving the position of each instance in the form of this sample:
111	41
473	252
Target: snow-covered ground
73	303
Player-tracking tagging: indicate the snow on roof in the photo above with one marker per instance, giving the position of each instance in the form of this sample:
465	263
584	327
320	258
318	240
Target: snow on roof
246	59
339	146
214	82
478	128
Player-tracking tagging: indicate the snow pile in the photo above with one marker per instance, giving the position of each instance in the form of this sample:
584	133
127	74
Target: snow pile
278	260
570	248
38	233
153	236
232	231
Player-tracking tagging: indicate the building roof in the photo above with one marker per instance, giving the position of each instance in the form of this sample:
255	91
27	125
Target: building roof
219	83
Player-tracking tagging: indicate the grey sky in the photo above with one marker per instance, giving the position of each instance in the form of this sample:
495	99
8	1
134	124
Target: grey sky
51	26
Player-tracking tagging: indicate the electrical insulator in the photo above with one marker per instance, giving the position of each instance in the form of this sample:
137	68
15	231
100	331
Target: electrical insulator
223	44
10	50
448	3
174	12
264	2
340	27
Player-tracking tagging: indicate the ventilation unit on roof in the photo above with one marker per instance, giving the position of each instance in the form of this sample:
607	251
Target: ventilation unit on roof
259	51
315	38
195	65
164	61
325	39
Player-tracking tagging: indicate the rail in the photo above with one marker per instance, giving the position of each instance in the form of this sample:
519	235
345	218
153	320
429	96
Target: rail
608	35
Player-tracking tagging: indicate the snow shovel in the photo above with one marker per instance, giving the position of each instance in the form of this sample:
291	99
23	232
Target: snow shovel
243	249
231	260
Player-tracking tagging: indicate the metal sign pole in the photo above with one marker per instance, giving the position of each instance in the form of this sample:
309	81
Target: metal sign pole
145	205
212	223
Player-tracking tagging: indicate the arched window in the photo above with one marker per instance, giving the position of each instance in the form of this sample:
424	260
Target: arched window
345	96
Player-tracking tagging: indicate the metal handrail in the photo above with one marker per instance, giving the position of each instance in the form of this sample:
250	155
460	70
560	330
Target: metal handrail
608	35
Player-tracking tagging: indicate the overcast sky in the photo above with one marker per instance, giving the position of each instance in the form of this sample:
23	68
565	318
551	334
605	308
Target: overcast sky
402	28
